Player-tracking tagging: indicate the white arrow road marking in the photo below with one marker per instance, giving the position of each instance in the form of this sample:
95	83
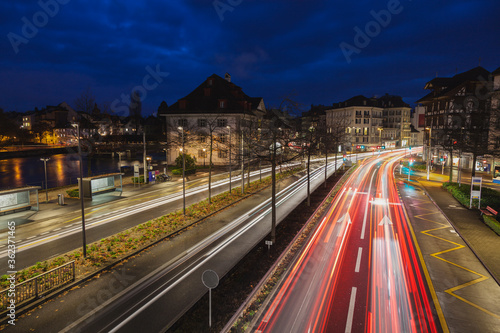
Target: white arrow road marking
385	221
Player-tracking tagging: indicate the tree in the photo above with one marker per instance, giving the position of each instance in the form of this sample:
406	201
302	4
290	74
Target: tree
212	124
336	134
310	141
42	130
273	147
135	109
190	162
85	102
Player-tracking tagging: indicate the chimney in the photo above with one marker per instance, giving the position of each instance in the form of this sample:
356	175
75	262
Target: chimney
227	77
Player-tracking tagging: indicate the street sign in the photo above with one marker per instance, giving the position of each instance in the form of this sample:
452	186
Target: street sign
136	170
211	280
475	190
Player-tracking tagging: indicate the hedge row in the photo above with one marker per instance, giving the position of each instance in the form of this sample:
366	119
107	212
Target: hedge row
491	222
489	197
178	172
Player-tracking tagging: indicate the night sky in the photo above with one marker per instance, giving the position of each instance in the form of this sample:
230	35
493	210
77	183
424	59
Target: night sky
311	50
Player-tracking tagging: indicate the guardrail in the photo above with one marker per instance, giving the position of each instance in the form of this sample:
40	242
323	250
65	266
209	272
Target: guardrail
37	286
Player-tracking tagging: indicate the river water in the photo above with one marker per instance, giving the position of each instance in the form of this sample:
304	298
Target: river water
62	169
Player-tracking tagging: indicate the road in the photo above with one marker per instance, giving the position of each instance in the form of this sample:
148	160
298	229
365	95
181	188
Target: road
60	233
153	302
359	271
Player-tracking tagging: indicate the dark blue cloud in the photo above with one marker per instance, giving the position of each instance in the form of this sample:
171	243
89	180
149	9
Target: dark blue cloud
271	48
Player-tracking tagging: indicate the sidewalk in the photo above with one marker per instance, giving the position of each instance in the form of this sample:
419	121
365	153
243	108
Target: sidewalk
51	209
483	241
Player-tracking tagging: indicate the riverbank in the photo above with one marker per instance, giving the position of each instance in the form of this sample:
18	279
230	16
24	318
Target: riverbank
36	151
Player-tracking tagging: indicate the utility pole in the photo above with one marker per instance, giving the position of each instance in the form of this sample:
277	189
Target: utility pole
183	173
45	159
80	192
144	156
242	165
229	128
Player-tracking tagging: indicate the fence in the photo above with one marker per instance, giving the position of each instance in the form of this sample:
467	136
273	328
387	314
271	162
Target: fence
36	287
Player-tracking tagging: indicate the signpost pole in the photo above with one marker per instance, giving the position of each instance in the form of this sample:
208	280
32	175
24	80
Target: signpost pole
211	280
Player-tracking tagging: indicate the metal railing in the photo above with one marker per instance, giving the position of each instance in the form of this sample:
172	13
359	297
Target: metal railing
37	286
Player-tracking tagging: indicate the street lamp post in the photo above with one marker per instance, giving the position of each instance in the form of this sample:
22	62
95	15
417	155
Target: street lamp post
428	152
380	129
45	159
242	166
80	191
204	156
166	160
120	161
183	172
260	168
229	128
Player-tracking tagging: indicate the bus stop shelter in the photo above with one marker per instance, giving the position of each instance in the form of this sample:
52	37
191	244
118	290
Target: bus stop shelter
18	199
101	184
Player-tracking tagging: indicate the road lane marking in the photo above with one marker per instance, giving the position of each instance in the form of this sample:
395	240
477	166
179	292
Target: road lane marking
350	313
37	242
366	208
358	260
435	299
451	291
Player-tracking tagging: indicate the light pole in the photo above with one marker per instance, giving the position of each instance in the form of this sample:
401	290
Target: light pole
260	168
183	172
204	156
242	165
80	191
144	161
380	129
166	160
45	159
120	161
229	128
166	142
428	151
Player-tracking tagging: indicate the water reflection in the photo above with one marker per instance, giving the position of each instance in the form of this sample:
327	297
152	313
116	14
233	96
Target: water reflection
62	169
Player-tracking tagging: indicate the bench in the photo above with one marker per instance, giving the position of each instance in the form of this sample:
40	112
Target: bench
489	211
15	209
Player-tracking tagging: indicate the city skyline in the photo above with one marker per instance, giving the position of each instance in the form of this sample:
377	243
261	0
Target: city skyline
320	53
